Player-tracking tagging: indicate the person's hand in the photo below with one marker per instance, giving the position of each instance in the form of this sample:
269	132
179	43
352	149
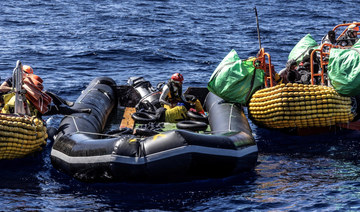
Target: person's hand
193	110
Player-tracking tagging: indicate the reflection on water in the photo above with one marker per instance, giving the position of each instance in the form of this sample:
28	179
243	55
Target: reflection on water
286	182
280	181
309	183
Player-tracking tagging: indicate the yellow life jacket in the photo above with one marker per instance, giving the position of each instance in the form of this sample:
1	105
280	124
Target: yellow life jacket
172	99
175	114
35	94
9	104
174	96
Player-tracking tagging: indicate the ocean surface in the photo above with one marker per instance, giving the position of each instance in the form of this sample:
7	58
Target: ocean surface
68	43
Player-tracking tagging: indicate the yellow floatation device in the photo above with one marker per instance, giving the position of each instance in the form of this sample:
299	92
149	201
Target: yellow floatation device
20	135
299	105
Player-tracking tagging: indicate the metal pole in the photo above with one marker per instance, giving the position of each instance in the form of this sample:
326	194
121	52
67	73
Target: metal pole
258	28
17	86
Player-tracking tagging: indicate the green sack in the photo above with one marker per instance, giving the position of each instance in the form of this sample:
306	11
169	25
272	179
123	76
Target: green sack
302	48
232	78
344	70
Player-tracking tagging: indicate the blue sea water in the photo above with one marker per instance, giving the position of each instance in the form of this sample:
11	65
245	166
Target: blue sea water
68	43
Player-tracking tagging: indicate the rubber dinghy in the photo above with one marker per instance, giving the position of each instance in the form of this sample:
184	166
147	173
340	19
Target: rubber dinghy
84	150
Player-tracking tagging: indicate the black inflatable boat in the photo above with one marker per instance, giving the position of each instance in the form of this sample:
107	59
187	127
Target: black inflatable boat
89	148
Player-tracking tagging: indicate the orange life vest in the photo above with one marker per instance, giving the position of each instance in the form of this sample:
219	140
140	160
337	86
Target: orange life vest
35	94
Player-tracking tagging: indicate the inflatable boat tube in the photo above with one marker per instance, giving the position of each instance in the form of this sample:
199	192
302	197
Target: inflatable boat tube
176	155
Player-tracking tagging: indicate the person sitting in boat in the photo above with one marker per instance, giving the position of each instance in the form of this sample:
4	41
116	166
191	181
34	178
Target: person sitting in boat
172	97
36	84
304	68
350	36
4	89
329	38
289	73
7	84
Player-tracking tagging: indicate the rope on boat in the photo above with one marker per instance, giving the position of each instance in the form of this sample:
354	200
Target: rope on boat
299	105
20	135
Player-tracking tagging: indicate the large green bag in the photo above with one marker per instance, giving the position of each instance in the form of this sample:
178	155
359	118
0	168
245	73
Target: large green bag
344	70
302	48
232	79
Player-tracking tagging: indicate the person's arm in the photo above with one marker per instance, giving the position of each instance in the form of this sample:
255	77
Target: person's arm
163	96
4	88
183	98
5	84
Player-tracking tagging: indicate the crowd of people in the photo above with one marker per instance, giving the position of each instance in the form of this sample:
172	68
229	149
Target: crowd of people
350	36
301	73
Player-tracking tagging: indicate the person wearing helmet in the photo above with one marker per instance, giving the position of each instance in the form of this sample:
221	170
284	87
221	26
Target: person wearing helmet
27	69
172	92
329	38
7	84
289	73
59	106
350	36
174	101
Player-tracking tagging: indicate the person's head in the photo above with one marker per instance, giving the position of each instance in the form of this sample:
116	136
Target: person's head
352	30
291	64
306	65
27	69
177	79
306	58
331	36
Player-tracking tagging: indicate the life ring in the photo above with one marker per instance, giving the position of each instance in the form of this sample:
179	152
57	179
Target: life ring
143	118
196	116
192	125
